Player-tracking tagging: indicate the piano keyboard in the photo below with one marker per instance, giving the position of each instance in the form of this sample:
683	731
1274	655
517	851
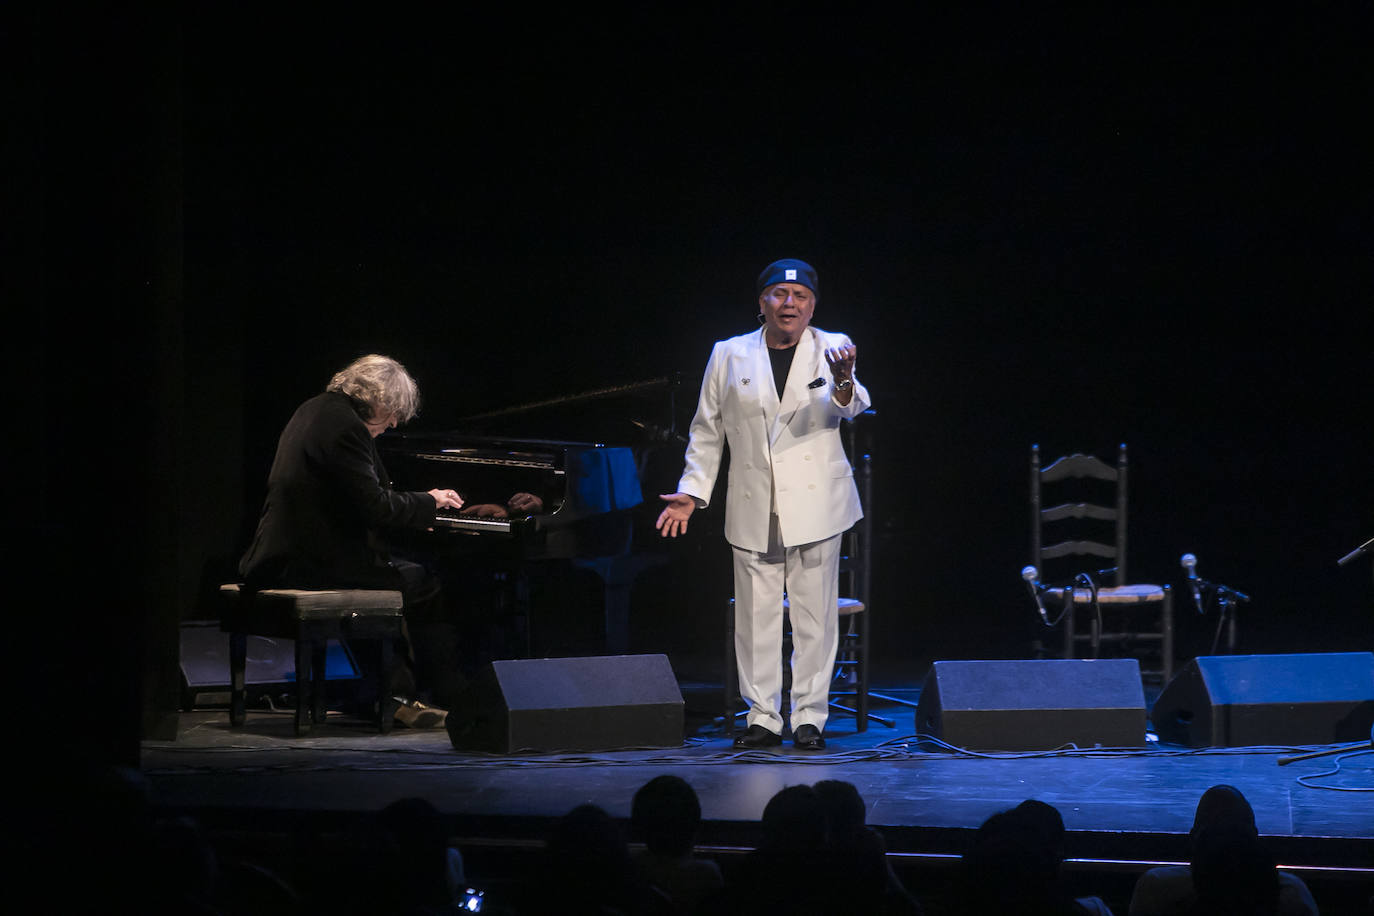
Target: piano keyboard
473	523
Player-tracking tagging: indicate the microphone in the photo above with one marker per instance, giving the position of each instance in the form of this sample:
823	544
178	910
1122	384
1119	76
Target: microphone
817	383
1189	562
1032	577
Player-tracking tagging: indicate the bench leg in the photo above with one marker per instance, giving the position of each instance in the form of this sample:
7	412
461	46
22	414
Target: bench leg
238	661
304	681
384	700
319	668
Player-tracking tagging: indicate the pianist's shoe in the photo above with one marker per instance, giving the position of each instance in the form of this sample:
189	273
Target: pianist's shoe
414	714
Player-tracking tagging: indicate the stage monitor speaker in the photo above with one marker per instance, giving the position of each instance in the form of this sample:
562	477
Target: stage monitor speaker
570	704
1252	700
1037	704
271	664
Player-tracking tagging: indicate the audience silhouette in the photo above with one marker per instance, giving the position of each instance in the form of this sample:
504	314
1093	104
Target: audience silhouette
1233	873
665	817
586	869
415	870
1013	866
815	854
786	872
858	853
1225	845
150	863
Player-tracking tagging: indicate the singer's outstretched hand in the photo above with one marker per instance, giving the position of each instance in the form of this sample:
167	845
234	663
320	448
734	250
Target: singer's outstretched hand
672	521
841	360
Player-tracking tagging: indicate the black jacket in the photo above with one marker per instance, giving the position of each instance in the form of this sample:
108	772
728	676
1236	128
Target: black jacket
328	498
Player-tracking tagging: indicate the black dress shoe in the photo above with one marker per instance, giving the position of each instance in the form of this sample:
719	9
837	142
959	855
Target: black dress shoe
808	738
758	737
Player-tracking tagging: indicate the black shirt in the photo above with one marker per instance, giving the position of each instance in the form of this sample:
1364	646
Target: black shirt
782	364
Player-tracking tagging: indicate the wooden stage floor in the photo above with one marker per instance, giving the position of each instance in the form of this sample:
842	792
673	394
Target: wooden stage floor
1125	810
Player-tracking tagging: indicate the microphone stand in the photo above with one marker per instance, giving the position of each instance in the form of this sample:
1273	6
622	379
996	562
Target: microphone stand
1283	761
1227	599
1345	748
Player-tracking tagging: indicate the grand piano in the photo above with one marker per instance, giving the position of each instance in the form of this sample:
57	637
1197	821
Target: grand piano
589	489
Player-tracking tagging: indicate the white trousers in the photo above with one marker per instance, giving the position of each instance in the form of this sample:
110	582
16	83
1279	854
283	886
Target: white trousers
809	575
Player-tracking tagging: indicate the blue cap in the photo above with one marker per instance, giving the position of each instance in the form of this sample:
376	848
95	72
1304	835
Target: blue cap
788	270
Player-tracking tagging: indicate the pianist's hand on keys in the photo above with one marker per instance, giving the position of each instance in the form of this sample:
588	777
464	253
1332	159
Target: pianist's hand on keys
446	499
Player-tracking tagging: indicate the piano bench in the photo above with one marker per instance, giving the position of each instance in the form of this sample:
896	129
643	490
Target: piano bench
311	618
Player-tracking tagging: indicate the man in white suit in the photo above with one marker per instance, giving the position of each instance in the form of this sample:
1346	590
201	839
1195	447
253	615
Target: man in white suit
777	396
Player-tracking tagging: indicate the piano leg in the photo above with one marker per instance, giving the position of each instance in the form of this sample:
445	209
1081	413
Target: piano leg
618	574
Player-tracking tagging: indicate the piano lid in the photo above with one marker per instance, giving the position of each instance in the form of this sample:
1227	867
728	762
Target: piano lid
461	448
640	414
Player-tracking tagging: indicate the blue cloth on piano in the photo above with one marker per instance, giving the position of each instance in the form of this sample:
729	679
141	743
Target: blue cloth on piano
603	479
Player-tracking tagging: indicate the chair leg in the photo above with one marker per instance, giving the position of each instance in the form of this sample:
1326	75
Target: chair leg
862	705
731	674
1166	642
860	710
785	699
238	661
1069	631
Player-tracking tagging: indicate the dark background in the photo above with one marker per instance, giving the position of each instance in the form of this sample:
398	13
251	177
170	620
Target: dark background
1076	230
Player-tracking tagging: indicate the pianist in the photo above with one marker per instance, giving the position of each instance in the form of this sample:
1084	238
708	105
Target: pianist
777	396
328	500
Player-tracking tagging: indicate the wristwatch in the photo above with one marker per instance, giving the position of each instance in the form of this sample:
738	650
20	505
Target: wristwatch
843	383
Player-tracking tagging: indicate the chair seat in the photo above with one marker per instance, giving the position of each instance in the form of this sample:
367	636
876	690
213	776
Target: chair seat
1116	594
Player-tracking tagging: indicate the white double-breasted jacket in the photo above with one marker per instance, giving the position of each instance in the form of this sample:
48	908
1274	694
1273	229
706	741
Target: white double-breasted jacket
785	453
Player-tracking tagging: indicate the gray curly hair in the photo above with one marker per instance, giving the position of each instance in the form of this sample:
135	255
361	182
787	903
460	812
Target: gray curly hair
382	384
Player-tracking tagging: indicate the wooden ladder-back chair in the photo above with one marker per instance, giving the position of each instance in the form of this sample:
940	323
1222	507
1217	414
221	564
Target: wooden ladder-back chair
1086	528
